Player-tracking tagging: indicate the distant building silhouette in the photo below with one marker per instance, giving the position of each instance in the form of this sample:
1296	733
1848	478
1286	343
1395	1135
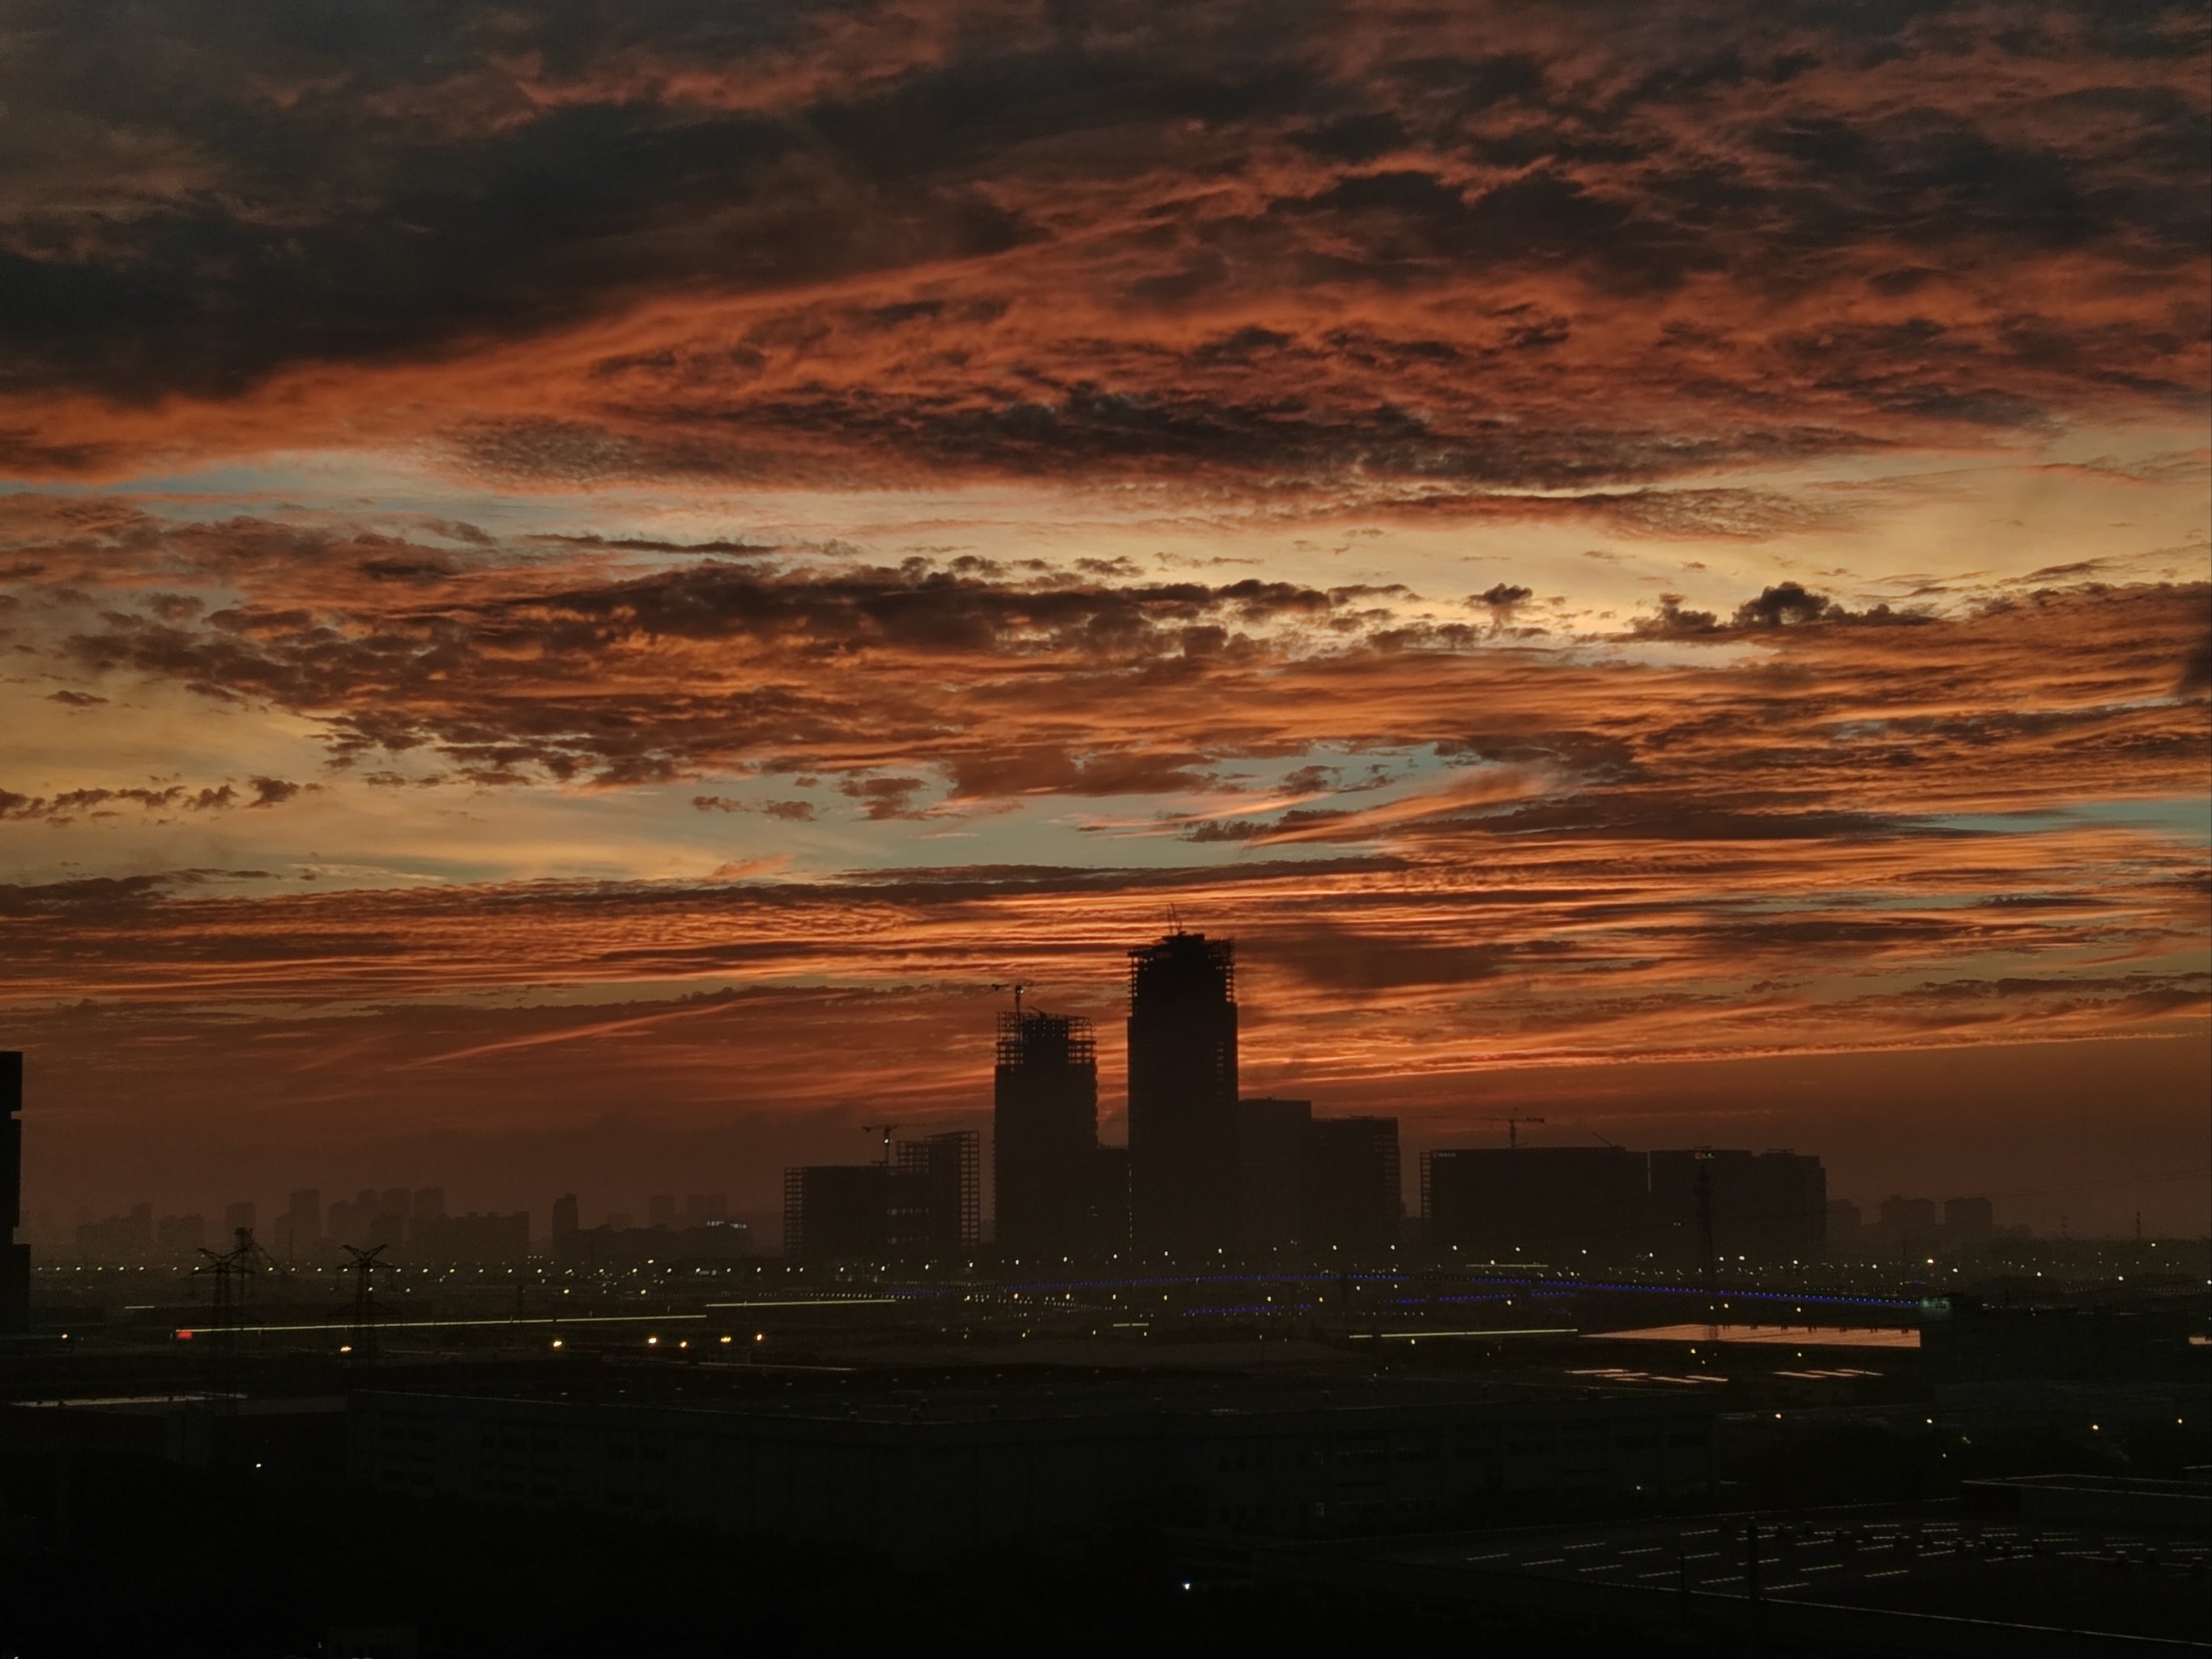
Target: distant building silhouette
1498	1203
706	1209
358	1221
926	1201
619	1244
1354	1201
300	1229
180	1235
660	1210
836	1212
15	1259
1183	1093
473	1238
1968	1223
1765	1206
1847	1231
1909	1221
1272	1139
119	1238
1044	1133
1315	1182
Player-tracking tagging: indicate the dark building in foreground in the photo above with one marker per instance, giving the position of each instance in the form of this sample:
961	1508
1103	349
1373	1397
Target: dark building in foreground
15	1259
955	1471
927	1202
1182	1094
2036	1567
1536	1203
1044	1135
1760	1206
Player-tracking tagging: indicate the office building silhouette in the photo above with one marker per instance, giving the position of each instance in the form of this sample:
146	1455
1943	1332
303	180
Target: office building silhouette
1607	1203
1044	1133
1182	1094
15	1259
1536	1203
1352	1199
1272	1139
1317	1183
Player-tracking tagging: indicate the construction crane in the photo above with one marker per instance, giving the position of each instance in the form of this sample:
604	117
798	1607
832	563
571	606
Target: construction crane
1602	1141
1016	987
1513	1127
886	1130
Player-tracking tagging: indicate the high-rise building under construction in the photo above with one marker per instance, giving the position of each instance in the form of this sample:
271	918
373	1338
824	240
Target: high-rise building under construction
1044	1133
1182	1094
923	1200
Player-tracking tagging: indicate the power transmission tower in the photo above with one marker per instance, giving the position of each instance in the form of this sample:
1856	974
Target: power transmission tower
362	1350
232	1271
1704	1189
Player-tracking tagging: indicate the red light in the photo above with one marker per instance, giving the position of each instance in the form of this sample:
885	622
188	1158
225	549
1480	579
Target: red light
184	1336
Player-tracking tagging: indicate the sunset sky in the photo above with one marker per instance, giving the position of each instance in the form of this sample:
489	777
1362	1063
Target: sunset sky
576	584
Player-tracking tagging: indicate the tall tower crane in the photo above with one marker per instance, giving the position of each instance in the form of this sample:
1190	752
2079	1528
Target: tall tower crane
1513	1127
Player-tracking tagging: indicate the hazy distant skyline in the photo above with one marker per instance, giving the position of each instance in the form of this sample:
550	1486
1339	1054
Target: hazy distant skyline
575	590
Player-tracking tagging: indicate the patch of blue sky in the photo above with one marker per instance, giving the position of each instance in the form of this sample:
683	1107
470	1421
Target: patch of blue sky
2185	817
376	488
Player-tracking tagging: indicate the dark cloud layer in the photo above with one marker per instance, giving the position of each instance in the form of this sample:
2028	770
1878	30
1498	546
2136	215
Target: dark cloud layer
1377	246
931	683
